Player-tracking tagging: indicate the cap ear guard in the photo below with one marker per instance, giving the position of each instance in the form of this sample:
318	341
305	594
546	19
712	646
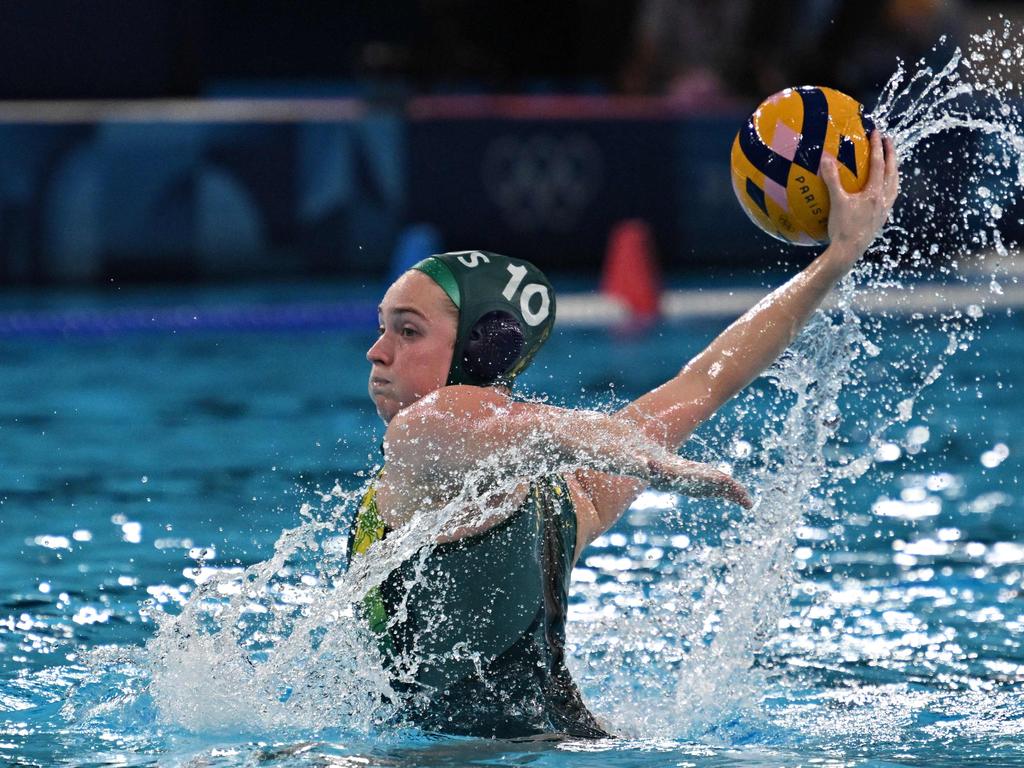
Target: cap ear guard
494	344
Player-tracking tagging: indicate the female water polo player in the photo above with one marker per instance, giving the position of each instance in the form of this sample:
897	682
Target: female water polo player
472	629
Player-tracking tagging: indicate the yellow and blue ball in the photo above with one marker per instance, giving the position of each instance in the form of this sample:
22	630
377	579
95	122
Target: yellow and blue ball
777	155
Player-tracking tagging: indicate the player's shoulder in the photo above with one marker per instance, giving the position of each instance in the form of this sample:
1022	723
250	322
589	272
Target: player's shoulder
449	407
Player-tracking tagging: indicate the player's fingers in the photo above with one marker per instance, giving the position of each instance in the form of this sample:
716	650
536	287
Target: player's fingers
829	172
729	488
876	173
892	172
891	161
738	494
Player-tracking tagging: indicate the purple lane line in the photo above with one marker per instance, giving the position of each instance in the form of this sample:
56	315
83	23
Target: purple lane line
261	317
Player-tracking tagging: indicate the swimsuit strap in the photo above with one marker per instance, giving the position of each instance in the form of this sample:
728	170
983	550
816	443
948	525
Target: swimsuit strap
367	530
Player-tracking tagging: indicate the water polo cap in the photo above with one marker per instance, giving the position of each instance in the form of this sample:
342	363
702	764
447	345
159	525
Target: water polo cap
506	312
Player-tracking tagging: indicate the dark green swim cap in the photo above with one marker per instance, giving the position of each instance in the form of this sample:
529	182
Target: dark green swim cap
506	312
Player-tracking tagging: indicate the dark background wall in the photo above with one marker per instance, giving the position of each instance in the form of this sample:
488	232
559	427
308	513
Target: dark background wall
148	48
528	127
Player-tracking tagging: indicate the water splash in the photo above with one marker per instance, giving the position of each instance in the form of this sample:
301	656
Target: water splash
960	138
276	647
279	647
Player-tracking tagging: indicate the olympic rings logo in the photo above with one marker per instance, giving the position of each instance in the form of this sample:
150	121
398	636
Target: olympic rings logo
542	182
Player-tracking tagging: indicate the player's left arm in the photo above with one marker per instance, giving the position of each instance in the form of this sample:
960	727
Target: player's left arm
463	435
670	413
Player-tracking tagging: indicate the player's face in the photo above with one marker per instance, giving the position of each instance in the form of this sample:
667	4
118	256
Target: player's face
417	326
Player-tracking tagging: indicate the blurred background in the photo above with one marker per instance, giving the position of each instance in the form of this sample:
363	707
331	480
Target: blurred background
187	141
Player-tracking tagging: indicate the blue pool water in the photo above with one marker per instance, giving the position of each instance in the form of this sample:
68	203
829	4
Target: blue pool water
176	488
136	465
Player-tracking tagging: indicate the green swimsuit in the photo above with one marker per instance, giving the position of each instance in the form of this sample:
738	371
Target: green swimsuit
477	645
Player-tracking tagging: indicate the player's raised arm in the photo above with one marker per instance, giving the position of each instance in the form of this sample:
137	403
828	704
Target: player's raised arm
739	354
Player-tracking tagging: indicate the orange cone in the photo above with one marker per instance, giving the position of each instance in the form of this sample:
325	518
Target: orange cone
630	273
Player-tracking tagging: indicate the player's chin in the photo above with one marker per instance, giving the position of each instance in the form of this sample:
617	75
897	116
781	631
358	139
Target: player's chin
386	407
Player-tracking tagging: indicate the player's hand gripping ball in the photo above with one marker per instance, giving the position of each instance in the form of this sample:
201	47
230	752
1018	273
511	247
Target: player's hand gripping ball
777	154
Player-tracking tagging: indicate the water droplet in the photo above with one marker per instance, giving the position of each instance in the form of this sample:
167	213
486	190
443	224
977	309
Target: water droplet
132	532
993	458
905	409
